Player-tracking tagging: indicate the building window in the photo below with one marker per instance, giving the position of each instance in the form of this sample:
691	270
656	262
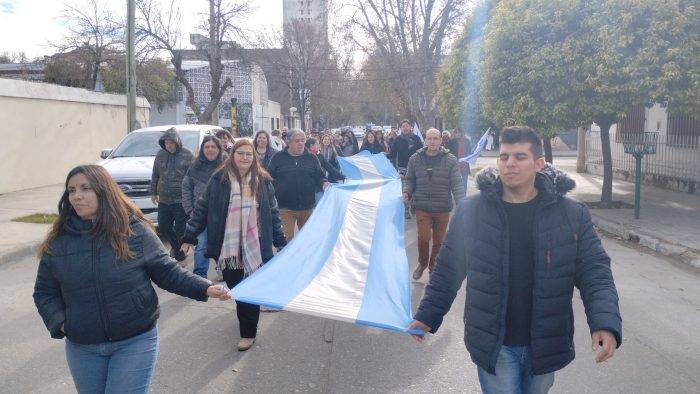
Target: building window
683	131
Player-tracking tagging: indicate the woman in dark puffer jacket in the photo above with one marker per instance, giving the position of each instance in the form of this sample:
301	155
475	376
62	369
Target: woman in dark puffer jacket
239	211
94	286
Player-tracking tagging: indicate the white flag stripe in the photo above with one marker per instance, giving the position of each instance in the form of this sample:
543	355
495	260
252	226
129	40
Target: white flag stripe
337	291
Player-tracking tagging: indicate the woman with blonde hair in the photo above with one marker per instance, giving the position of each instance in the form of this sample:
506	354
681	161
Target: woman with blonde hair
240	214
94	288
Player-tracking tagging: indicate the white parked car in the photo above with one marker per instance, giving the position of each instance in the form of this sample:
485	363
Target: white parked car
131	163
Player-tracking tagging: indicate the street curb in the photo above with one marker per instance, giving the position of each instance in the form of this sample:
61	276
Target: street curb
683	253
19	252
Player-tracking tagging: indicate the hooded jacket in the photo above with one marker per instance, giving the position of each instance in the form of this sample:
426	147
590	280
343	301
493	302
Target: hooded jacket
195	181
169	169
82	286
568	253
432	189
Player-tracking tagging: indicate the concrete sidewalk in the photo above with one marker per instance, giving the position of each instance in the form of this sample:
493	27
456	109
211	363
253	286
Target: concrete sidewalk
17	240
669	221
669	224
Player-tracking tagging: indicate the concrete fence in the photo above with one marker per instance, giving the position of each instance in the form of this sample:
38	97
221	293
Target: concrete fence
46	129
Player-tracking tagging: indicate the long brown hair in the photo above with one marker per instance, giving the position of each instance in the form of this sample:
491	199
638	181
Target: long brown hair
258	174
114	211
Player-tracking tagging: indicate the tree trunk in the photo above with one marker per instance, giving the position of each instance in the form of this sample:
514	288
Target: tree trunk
606	193
581	151
547	142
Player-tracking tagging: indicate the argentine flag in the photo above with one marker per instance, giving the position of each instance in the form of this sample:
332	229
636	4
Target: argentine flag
348	262
480	145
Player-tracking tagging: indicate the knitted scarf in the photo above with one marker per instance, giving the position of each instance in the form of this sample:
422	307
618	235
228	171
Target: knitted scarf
241	246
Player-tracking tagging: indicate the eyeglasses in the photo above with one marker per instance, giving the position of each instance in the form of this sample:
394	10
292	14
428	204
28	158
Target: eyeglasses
244	154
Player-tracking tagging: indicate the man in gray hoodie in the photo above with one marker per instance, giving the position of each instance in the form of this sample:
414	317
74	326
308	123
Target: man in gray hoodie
169	167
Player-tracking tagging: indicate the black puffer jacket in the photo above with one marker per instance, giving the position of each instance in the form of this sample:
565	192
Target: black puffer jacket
99	299
296	179
195	181
212	209
169	169
568	253
433	191
404	146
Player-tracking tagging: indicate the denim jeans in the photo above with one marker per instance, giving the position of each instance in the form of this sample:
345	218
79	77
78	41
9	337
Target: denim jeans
114	367
201	263
514	374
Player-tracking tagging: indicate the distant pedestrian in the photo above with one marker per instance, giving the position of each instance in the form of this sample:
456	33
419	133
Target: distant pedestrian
239	212
226	139
276	141
349	145
261	142
523	246
448	143
211	155
404	146
297	175
332	173
94	284
383	143
169	168
462	148
330	153
432	183
369	143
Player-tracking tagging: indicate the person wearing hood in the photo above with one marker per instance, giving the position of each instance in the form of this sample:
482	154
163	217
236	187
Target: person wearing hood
211	155
169	168
94	284
297	176
432	182
523	245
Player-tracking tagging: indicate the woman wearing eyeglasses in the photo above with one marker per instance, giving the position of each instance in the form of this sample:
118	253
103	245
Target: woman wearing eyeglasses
240	214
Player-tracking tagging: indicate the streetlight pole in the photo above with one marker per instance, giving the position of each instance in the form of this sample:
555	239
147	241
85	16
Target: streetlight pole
132	123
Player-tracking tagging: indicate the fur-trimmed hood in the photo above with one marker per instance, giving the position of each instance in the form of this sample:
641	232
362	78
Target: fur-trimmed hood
549	179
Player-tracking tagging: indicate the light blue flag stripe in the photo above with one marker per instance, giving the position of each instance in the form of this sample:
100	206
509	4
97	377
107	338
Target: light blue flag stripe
291	270
480	145
349	261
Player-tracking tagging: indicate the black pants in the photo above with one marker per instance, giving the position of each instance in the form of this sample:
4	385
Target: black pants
171	224
248	314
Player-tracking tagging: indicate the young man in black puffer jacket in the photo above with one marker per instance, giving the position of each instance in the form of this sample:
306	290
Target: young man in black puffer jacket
523	246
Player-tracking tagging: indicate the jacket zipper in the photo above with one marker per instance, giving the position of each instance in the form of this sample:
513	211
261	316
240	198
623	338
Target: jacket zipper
504	281
98	290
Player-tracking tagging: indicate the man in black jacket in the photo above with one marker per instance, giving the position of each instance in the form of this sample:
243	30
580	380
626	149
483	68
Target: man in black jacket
169	168
404	146
297	174
523	246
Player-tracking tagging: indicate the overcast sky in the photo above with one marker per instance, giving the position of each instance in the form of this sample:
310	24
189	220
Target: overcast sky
27	25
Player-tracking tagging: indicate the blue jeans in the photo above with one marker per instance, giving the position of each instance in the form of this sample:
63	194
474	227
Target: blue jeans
114	367
514	374
201	263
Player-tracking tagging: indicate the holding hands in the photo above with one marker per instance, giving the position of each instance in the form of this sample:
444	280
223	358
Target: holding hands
219	291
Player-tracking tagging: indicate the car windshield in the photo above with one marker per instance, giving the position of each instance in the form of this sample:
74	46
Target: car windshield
145	143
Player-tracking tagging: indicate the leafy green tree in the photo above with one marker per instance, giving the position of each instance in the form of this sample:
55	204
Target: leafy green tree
555	64
458	94
155	81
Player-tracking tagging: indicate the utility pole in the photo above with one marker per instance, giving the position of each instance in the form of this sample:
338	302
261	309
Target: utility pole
132	123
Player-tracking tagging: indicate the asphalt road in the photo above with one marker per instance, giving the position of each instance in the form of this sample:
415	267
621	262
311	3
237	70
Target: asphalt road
660	304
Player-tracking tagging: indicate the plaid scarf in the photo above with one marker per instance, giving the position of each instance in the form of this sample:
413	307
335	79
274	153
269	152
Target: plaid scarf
241	246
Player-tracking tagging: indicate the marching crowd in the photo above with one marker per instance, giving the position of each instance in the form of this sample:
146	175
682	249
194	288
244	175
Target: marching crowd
239	199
